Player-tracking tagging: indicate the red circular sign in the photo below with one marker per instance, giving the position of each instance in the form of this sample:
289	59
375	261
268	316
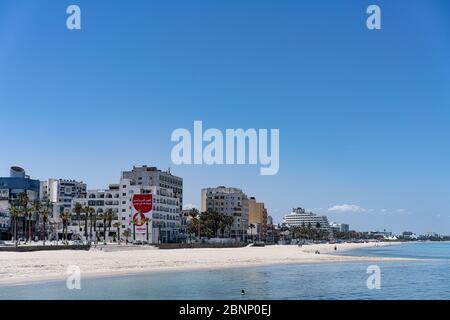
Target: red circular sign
139	219
143	202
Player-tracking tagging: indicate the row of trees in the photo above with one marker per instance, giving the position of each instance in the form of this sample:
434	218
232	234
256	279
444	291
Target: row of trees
89	216
209	224
26	211
308	232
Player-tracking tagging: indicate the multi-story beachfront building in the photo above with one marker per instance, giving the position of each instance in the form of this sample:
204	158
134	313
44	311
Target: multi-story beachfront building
169	190
339	227
300	218
101	201
257	215
10	187
151	176
60	192
164	219
165	215
231	202
18	182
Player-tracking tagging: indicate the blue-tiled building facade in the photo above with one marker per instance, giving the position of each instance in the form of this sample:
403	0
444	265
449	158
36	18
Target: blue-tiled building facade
10	187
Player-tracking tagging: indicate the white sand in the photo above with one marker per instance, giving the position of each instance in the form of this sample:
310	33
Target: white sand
16	267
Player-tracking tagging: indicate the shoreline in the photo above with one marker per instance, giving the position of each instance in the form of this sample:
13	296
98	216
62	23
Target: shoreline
50	266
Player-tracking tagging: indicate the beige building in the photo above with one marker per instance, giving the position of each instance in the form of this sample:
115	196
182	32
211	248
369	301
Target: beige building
231	202
257	215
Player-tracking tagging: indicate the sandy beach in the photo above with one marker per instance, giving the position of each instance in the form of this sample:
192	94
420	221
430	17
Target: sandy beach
17	268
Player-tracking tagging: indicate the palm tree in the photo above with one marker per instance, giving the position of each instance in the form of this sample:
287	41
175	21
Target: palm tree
28	212
103	218
45	212
37	206
127	234
88	211
23	202
78	209
251	226
147	220
229	220
65	217
193	215
109	215
93	219
15	213
309	230
117	226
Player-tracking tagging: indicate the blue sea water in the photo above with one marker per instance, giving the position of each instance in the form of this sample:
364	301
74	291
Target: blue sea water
428	278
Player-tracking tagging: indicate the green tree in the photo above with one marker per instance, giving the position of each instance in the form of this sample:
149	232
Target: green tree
210	221
37	207
45	213
127	233
22	202
65	217
251	226
15	213
194	222
93	223
117	226
110	216
78	209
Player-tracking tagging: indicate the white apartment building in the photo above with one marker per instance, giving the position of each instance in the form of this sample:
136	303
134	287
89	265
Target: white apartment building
165	217
300	218
60	192
231	202
151	176
339	227
101	201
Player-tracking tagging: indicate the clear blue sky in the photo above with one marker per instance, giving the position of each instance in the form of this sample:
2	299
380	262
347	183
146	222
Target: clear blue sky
364	116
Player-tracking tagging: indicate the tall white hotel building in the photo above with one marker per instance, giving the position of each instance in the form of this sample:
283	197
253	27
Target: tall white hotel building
300	218
167	192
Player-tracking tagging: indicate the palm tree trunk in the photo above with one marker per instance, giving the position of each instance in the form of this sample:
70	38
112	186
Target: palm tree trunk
16	221
86	227
104	231
29	228
45	236
15	230
90	229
